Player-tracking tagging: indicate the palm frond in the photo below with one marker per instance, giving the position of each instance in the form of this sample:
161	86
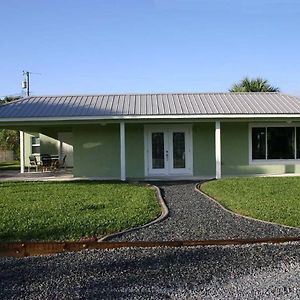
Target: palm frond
253	85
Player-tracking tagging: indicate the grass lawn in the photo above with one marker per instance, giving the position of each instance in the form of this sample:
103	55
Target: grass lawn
69	211
9	165
275	199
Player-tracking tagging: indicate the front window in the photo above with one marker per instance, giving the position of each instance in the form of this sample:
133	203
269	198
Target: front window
35	145
275	143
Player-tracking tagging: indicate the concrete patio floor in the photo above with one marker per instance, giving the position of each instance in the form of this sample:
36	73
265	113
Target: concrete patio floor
60	175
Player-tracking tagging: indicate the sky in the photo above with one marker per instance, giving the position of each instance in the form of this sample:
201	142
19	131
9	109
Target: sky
141	46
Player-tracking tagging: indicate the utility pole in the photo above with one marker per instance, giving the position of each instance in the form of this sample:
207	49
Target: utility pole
26	82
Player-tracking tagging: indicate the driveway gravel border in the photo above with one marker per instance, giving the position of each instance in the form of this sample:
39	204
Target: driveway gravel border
198	189
164	214
214	272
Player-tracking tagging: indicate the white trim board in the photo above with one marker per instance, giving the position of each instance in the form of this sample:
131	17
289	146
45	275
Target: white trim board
218	149
122	152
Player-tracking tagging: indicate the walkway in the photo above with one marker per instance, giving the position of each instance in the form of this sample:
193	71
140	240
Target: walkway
194	216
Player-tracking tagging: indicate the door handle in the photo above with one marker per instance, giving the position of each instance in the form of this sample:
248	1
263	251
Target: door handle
167	155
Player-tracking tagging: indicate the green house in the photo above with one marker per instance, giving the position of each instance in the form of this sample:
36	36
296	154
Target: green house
161	136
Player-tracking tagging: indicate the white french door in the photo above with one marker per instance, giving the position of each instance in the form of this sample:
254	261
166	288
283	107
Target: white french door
168	150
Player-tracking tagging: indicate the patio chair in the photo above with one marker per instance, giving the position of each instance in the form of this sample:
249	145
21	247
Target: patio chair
63	164
54	162
46	162
33	163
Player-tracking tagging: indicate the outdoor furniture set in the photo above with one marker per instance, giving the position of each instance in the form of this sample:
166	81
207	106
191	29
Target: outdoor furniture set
47	163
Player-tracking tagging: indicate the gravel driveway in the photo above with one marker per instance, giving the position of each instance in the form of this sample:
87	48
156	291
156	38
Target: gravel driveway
218	272
194	216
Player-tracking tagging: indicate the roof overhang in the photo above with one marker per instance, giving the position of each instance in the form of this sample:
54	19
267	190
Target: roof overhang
151	117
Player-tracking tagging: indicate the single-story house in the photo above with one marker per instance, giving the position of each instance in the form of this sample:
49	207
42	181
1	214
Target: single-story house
155	136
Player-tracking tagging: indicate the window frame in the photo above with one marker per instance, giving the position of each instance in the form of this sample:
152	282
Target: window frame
35	145
269	161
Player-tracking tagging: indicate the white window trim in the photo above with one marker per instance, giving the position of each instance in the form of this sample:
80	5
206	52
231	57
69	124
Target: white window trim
270	161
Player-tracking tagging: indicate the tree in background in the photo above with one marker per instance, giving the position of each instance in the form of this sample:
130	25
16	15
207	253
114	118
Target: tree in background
253	85
10	139
8	99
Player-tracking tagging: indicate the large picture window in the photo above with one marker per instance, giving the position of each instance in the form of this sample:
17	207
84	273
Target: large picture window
275	143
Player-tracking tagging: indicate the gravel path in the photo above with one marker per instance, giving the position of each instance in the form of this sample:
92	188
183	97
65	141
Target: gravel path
218	272
194	216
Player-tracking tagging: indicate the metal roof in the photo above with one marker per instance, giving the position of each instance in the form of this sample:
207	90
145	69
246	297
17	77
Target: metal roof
150	105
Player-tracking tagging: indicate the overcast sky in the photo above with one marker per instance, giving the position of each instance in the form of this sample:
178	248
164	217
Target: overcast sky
116	46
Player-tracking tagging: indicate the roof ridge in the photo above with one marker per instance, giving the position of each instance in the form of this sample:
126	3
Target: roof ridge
163	93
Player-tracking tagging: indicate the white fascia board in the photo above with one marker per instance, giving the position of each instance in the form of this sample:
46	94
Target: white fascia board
151	117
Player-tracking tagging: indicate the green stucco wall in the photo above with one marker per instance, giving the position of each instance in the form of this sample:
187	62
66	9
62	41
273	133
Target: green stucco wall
204	149
97	151
134	150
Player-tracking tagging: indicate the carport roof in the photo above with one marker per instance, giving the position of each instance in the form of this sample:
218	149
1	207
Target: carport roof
168	105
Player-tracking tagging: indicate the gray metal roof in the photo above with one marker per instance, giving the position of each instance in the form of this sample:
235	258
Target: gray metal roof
150	105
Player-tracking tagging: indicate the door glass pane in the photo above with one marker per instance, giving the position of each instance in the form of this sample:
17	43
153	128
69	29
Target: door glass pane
178	150
259	143
281	143
158	150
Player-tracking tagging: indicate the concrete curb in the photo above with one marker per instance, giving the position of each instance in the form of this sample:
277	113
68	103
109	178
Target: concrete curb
164	214
237	214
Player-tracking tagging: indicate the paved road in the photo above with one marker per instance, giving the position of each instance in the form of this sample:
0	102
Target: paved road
194	216
223	272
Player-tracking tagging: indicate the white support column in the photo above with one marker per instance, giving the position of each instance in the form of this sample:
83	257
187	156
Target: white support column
122	151
218	149
22	152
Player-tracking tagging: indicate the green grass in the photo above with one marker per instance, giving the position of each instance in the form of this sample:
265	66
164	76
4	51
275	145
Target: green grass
9	165
275	199
31	211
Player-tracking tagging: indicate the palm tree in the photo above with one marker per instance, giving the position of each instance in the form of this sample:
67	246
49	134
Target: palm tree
253	85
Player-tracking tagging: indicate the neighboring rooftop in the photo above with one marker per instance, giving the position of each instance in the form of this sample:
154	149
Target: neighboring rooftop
152	105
